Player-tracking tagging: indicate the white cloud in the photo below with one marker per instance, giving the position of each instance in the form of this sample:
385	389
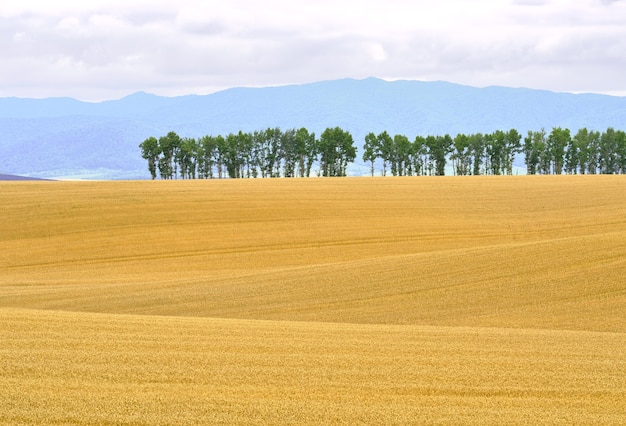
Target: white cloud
106	49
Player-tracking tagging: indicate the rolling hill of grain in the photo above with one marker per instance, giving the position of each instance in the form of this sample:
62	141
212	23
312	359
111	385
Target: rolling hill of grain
483	300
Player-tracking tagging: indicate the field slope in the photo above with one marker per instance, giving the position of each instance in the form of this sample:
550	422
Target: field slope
376	300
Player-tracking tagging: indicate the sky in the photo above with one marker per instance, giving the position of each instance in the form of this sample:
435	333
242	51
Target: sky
97	50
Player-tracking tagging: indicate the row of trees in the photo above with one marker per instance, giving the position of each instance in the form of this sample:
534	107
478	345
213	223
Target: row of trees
557	152
586	152
469	154
293	153
266	153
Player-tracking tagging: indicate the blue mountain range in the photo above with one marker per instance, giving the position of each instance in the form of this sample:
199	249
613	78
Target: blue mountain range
66	138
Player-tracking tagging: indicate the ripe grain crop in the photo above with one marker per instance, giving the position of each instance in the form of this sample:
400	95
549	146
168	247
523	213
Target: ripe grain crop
377	300
68	367
479	251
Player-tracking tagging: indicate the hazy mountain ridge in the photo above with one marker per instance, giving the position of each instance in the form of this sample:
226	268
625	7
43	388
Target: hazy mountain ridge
62	137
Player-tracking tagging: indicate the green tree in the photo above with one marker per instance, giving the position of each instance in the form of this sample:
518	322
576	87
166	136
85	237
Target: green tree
608	152
461	159
535	154
221	155
311	147
402	154
207	157
186	157
246	153
234	154
385	146
289	152
545	157
150	151
336	151
168	145
593	152
271	152
304	147
580	141
571	157
371	150
258	153
557	142
175	143
419	153
477	152
439	147
495	147
513	146
620	143
531	159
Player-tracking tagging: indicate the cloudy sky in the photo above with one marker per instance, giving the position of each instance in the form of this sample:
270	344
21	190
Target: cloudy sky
106	49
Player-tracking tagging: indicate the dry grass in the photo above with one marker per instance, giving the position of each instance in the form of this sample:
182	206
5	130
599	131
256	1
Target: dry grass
428	300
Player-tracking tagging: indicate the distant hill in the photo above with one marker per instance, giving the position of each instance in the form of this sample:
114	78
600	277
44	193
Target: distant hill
66	138
15	177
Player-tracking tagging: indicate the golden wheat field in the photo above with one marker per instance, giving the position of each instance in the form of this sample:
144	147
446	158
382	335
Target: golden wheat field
455	300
